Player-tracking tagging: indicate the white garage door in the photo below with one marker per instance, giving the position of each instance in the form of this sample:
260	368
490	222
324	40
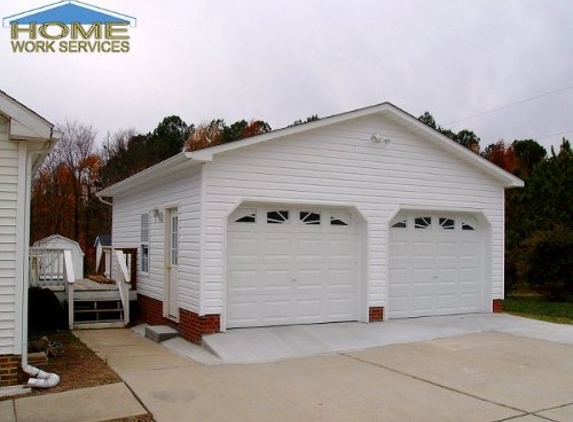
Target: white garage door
291	265
435	265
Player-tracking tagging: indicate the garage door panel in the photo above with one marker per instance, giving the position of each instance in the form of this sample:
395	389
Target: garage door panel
422	276
435	270
447	249
309	249
309	279
241	249
342	248
423	249
241	281
275	280
341	279
309	309
276	311
243	312
292	273
274	249
341	308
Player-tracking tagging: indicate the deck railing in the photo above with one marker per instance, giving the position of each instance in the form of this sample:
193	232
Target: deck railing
47	267
69	279
123	283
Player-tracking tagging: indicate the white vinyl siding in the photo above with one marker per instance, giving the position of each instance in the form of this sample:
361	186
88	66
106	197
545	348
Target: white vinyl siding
338	165
8	238
180	189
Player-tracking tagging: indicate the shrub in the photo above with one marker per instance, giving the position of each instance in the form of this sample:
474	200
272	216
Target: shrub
547	262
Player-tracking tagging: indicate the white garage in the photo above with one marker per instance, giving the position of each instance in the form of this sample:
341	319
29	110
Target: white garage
292	265
435	265
299	226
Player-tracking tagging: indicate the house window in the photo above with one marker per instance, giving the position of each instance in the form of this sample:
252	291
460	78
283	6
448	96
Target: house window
423	223
277	217
309	218
144	242
447	223
339	218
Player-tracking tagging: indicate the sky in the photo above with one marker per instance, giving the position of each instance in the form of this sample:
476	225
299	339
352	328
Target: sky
281	60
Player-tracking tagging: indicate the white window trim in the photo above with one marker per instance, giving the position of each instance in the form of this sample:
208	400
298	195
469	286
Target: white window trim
143	243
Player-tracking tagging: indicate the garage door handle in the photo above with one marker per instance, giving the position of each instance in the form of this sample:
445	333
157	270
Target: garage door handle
293	279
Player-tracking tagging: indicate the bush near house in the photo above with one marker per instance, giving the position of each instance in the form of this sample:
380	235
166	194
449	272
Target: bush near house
547	262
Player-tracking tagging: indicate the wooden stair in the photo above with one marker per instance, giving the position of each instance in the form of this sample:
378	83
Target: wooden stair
98	309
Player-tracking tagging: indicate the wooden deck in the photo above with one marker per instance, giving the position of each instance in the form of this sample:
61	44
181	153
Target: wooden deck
86	284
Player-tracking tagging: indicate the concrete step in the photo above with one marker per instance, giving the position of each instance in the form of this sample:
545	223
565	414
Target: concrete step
159	333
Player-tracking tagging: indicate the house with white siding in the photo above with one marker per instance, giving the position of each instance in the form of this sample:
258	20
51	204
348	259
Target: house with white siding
25	139
361	216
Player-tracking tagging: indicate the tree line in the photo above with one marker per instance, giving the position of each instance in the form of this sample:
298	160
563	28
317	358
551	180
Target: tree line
539	217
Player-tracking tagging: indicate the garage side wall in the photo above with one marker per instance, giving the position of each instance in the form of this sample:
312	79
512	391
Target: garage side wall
338	165
181	190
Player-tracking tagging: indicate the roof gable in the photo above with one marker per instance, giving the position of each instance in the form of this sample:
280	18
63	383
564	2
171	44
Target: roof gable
387	110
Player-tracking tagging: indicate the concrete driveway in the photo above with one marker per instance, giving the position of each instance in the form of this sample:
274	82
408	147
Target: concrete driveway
483	375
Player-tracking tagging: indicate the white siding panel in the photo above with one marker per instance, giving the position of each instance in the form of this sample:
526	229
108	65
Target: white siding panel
182	190
8	213
339	165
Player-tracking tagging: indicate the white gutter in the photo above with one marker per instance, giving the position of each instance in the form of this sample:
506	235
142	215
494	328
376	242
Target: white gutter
103	201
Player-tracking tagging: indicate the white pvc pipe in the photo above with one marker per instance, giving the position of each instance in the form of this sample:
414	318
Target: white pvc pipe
40	379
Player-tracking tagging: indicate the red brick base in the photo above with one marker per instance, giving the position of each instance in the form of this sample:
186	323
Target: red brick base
191	326
376	314
9	369
498	305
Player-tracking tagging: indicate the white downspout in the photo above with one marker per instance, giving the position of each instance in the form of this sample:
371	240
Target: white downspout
40	379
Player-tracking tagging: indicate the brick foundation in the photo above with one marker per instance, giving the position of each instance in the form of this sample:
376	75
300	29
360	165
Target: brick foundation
376	314
150	310
9	370
191	326
497	305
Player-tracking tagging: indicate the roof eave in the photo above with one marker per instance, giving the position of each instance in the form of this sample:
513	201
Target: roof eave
148	174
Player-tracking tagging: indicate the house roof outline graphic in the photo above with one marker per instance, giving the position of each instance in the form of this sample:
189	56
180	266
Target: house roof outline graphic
68	12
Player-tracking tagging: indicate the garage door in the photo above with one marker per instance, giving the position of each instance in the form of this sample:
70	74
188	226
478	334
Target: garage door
435	265
291	265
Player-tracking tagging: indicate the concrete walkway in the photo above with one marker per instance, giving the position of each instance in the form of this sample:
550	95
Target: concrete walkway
95	404
477	368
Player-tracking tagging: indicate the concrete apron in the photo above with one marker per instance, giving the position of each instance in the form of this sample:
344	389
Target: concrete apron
270	344
485	376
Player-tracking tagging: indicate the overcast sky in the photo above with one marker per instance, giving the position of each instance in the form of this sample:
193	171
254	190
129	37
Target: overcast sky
283	60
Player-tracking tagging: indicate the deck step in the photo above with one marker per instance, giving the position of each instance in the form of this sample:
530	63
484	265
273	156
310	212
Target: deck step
90	325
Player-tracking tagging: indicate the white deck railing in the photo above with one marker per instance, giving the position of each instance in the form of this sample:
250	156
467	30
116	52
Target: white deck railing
47	267
69	279
123	283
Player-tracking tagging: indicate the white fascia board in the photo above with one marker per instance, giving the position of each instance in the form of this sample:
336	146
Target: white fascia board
161	169
208	153
508	179
32	122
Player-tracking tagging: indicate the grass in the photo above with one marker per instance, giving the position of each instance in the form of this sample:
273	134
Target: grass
535	306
